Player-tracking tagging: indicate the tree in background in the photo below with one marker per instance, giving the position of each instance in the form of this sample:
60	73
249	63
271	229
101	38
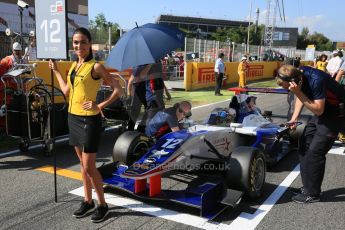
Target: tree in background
321	42
302	39
240	34
99	29
236	34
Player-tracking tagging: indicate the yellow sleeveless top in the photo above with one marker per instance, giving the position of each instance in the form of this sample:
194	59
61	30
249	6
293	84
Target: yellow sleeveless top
321	65
85	89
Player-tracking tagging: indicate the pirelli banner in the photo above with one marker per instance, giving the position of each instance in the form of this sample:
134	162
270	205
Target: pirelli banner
201	75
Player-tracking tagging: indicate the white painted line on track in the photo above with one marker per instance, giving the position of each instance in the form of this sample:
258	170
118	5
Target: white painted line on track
201	106
338	150
243	221
246	221
9	153
58	140
138	206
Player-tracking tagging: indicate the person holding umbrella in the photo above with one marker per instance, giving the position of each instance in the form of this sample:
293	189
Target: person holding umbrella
144	45
141	46
84	117
137	92
155	89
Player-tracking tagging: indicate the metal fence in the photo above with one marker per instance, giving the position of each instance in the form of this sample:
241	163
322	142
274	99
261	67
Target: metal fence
208	50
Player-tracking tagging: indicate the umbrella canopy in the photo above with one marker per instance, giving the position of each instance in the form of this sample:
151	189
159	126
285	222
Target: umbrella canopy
144	45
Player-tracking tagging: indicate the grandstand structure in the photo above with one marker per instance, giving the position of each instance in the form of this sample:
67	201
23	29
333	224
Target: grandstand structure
203	27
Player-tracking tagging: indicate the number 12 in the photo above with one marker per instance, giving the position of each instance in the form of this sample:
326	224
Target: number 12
54	26
171	143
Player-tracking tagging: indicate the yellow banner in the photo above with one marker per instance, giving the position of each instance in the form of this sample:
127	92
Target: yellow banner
201	75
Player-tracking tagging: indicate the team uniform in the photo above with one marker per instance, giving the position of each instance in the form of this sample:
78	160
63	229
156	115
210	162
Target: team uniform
154	92
8	62
241	70
162	122
321	131
139	97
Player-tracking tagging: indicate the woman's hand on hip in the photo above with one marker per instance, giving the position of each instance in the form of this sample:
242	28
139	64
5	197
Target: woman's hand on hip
90	105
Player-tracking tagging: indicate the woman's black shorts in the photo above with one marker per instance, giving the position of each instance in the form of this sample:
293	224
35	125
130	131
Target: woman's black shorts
85	132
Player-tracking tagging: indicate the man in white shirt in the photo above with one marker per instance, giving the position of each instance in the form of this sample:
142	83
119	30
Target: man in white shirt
219	70
335	63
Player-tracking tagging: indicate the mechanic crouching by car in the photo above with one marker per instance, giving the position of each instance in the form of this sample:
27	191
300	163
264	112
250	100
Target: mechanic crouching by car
324	97
167	120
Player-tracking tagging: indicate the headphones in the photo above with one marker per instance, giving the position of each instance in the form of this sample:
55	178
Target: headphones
286	78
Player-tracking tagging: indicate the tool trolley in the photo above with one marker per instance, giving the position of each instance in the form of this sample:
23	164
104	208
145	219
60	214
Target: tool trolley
29	108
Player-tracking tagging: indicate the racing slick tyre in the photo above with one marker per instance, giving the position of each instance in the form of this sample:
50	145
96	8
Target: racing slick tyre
296	134
247	171
130	146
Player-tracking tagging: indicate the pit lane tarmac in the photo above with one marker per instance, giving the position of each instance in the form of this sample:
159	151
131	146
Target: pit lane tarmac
28	202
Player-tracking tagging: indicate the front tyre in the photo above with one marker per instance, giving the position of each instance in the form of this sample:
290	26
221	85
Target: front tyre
247	171
130	146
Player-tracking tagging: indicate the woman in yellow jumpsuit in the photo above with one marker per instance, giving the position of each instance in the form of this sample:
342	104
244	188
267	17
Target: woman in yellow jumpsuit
242	71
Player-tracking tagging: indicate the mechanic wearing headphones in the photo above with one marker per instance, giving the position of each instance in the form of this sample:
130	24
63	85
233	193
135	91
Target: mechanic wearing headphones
324	97
167	120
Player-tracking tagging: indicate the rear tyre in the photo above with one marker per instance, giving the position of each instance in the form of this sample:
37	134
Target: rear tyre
130	146
247	171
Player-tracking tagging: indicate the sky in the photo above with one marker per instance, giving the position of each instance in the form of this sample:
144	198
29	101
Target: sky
326	17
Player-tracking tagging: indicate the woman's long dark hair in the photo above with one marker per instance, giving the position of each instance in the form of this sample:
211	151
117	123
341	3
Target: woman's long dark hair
86	32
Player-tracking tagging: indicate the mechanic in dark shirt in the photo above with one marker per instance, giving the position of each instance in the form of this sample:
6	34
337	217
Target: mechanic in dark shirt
322	95
155	87
167	120
137	91
154	90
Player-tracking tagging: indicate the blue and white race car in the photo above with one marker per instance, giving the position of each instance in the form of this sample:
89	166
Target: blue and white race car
238	153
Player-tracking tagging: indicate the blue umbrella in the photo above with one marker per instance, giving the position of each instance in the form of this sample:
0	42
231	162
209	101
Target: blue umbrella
144	45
